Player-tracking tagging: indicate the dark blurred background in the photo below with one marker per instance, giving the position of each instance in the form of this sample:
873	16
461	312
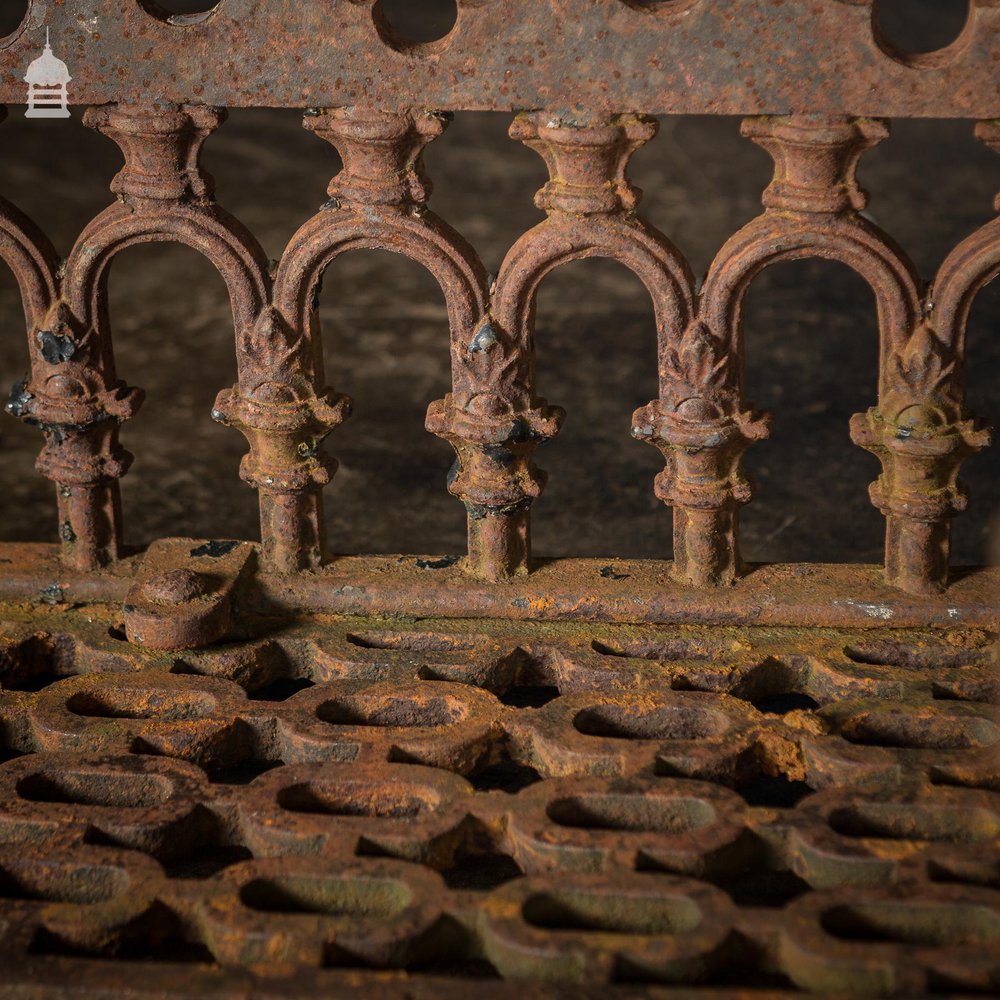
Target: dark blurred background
811	331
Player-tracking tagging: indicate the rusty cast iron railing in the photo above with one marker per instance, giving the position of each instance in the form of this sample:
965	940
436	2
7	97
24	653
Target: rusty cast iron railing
693	746
816	116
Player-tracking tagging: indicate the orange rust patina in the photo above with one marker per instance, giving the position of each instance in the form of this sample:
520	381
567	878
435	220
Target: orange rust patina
242	768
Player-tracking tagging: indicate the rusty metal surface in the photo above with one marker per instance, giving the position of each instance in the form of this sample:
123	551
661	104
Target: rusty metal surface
693	773
632	591
918	427
732	808
495	418
660	56
183	594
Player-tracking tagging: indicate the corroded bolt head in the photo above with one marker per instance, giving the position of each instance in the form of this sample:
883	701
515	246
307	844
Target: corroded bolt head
175	586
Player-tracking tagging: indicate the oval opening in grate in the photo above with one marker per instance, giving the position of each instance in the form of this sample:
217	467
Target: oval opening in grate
886	653
110	790
669	723
633	813
63	883
413	642
912	731
914	922
392	713
379	898
668	649
610	912
915	822
141	703
662	6
179	12
356	799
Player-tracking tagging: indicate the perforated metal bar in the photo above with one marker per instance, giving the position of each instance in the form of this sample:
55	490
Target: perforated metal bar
742	57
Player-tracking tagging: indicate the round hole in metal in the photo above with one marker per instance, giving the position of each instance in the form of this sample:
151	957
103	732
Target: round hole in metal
415	22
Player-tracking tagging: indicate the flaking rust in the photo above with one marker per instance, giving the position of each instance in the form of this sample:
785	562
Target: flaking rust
278	772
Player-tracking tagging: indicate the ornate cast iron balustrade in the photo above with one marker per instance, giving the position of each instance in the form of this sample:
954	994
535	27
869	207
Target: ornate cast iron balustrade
609	776
815	107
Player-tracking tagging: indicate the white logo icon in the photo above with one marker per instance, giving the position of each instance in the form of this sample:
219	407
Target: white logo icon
46	78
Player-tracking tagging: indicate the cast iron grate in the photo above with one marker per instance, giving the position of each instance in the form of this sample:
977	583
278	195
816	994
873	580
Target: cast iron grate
791	809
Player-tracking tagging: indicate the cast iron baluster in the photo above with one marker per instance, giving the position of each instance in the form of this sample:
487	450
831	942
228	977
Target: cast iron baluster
277	408
377	201
812	209
591	212
75	396
79	404
921	432
163	195
31	257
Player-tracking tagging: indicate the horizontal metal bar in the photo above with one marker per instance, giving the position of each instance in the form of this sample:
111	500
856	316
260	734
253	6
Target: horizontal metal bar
682	57
598	590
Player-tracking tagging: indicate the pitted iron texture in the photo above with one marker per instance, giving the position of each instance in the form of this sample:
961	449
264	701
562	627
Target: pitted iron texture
724	809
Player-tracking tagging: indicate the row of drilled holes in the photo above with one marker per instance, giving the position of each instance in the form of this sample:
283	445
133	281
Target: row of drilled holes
420	23
411	21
